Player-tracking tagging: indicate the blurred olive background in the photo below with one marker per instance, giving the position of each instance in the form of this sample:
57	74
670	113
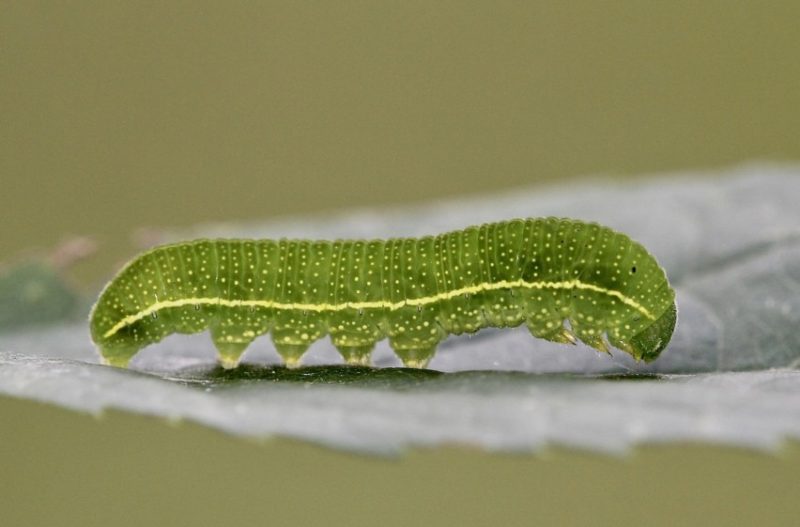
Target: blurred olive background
117	115
122	114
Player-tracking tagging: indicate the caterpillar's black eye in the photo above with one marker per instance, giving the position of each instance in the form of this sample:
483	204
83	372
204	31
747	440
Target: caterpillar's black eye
633	269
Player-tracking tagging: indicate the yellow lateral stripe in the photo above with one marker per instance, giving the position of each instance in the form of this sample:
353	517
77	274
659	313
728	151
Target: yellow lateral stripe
569	284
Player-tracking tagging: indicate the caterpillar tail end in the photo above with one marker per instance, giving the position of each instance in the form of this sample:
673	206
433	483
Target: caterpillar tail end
118	358
648	344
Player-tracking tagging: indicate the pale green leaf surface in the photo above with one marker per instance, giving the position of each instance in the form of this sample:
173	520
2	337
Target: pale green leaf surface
730	244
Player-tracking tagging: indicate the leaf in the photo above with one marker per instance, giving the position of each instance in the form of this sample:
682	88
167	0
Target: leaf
730	244
33	292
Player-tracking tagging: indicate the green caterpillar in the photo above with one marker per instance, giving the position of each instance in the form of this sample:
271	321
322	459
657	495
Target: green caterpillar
415	291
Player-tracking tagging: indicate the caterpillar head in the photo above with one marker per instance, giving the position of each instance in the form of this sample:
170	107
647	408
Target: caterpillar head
648	344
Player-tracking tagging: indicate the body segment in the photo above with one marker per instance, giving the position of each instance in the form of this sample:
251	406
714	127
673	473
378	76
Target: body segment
564	279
